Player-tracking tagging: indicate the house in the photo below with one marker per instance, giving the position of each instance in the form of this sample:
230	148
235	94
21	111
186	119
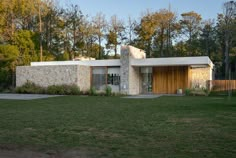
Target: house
132	74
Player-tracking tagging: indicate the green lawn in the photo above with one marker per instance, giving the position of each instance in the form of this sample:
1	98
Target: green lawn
117	127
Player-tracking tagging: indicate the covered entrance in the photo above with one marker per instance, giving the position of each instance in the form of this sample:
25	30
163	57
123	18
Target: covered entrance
166	80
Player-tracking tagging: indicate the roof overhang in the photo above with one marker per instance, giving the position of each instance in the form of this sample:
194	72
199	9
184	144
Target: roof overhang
113	62
203	61
153	62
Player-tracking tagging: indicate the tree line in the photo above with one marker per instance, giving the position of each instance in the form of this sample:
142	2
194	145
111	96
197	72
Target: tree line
40	30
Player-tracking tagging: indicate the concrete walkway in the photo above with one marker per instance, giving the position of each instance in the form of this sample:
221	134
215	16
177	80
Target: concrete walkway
150	96
11	96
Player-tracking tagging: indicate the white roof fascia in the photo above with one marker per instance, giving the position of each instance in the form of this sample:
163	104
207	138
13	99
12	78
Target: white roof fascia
113	62
172	61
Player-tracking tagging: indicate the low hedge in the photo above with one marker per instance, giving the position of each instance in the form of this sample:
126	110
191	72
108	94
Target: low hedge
196	92
32	88
63	89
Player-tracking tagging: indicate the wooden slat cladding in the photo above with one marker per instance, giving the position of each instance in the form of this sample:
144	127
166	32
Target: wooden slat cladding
166	80
221	85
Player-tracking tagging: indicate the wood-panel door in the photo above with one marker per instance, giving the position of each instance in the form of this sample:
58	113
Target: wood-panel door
166	80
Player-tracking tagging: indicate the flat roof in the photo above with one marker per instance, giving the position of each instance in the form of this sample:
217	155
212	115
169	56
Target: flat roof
108	62
173	61
202	61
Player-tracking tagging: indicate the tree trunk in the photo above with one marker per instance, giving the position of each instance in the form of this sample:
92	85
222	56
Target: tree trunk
190	43
100	50
12	25
40	34
149	49
115	50
227	57
162	43
13	75
74	42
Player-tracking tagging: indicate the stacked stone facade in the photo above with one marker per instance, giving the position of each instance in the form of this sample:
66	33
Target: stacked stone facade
130	76
200	76
54	75
124	70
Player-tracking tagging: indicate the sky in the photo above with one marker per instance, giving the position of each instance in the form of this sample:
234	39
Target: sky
134	8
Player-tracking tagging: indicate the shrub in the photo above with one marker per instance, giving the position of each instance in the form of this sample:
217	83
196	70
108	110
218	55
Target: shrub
54	90
1	89
30	88
63	89
234	92
92	91
75	90
206	91
198	92
108	91
187	92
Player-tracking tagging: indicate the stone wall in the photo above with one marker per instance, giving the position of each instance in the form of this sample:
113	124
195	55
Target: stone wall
124	70
199	76
54	75
84	77
134	81
130	76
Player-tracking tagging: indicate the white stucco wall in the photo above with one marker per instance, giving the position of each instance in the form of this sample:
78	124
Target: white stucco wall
134	74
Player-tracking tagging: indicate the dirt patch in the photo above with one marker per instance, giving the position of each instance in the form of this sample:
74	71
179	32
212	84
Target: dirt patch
13	152
184	120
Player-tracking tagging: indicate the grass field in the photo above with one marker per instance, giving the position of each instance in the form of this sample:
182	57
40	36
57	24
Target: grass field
117	127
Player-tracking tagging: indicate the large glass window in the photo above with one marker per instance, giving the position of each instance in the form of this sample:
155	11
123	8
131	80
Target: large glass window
113	78
103	76
146	79
99	77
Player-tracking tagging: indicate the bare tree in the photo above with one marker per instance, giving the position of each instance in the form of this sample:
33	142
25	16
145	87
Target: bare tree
73	23
130	29
191	26
40	31
100	25
229	17
115	35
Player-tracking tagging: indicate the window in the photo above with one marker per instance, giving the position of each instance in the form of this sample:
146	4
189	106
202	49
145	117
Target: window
113	79
103	76
99	78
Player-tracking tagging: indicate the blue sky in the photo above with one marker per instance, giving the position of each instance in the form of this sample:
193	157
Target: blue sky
125	8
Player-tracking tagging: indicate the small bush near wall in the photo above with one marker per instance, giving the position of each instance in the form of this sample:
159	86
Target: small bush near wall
63	89
30	88
92	91
196	92
187	92
108	91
